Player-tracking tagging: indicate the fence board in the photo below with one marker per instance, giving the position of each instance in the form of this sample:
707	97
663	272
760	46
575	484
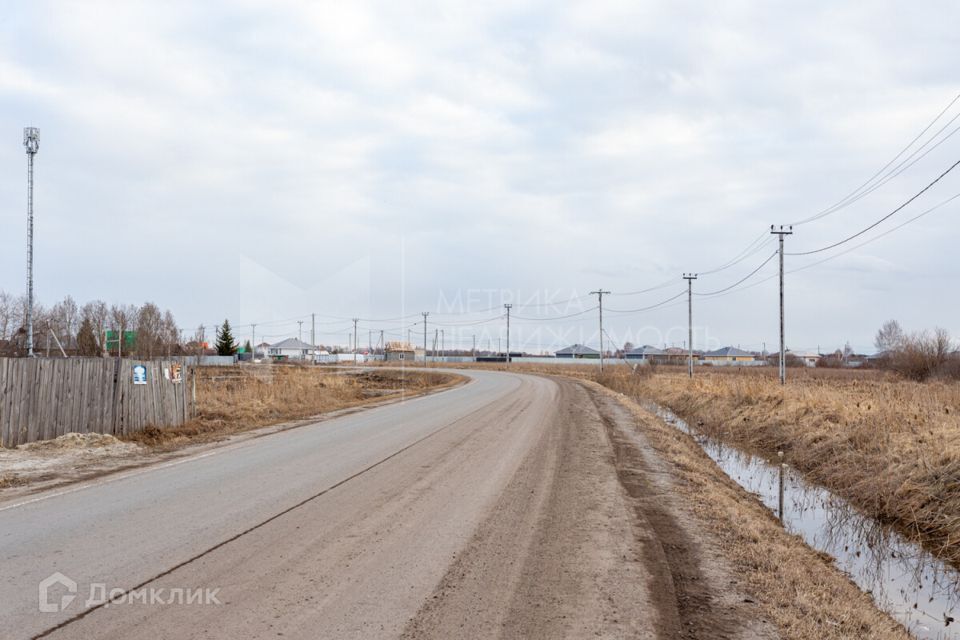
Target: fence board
44	398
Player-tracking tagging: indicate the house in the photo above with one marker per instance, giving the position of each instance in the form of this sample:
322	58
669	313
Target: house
578	351
396	351
261	350
727	355
646	353
291	349
809	358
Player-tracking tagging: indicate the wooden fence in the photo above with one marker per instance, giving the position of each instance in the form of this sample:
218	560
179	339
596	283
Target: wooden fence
44	398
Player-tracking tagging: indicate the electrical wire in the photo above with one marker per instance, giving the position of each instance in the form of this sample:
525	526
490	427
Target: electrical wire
881	220
856	194
741	280
648	308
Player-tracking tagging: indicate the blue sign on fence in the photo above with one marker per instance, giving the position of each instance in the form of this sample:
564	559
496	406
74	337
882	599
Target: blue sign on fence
139	374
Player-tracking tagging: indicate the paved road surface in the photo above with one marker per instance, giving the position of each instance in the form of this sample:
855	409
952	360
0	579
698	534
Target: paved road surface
490	510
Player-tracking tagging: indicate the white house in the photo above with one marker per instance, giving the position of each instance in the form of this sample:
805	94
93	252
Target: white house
291	349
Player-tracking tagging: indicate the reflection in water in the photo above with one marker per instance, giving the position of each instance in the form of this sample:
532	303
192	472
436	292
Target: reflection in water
904	580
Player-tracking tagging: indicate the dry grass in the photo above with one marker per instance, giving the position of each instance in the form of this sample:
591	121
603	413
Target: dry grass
890	446
231	399
794	587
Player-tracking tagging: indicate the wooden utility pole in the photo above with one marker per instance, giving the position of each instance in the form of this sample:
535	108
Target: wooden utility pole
690	277
600	293
425	314
783	343
508	307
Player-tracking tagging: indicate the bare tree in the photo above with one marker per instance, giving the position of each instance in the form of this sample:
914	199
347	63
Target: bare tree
149	330
7	315
890	337
97	313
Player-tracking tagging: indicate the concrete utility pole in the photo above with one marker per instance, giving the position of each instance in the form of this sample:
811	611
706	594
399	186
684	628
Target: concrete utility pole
474	351
355	320
443	348
600	293
300	335
508	307
690	277
313	331
425	314
783	343
253	342
31	140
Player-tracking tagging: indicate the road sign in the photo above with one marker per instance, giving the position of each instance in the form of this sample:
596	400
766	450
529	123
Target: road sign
139	374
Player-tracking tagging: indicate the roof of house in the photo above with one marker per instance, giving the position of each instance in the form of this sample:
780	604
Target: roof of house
291	343
577	349
646	350
804	354
730	352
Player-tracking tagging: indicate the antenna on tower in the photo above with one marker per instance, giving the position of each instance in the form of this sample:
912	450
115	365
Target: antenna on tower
31	140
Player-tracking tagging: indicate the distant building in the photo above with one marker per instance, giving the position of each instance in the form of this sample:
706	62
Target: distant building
646	353
809	358
578	351
396	351
727	355
291	349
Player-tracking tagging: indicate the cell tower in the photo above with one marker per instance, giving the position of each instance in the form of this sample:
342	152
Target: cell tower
31	140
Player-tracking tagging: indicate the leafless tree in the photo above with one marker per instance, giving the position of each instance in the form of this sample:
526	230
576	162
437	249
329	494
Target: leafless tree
97	313
890	337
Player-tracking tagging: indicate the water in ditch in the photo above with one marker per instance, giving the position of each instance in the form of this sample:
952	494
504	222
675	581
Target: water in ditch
907	582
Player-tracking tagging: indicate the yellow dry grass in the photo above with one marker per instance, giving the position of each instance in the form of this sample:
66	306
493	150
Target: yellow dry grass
890	446
232	399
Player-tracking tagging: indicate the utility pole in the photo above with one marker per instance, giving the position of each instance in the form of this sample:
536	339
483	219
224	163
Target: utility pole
474	351
690	277
355	339
31	140
783	344
369	340
253	342
409	341
436	339
383	345
508	307
600	293
300	335
313	332
425	314
443	348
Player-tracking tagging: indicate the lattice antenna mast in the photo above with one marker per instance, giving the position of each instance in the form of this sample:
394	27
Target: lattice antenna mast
31	140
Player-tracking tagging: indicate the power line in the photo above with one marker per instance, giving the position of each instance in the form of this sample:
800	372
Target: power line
741	280
855	195
648	308
881	220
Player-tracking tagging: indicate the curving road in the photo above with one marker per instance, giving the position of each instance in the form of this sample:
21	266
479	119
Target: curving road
493	509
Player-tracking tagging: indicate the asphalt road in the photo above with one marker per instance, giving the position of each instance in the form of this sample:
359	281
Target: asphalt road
493	509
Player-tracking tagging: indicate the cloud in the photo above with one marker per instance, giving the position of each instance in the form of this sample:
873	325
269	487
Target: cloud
233	158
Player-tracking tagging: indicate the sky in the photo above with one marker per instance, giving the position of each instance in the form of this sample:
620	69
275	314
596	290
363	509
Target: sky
263	162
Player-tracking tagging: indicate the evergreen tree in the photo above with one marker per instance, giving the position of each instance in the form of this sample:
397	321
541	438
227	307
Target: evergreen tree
247	348
226	345
87	340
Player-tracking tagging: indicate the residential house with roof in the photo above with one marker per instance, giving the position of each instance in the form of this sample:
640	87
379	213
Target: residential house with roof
291	349
728	356
646	353
578	351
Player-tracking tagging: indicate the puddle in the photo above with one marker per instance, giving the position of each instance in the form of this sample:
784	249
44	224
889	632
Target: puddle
905	581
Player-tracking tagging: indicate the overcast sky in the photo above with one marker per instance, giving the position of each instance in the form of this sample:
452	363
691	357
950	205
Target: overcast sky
262	161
